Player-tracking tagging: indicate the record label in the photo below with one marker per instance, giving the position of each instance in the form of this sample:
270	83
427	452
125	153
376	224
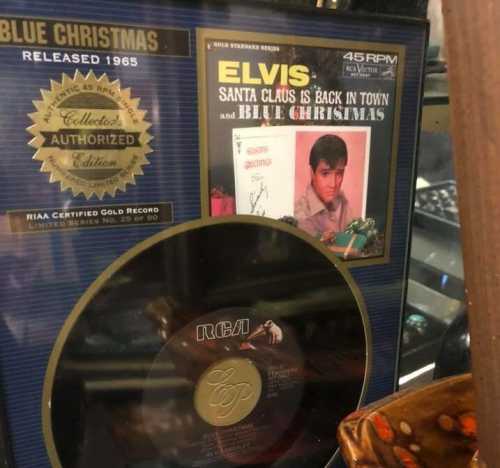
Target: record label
245	378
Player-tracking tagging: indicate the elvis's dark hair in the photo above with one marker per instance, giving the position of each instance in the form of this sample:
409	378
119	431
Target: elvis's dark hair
329	148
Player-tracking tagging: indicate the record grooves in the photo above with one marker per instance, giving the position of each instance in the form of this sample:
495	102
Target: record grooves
258	376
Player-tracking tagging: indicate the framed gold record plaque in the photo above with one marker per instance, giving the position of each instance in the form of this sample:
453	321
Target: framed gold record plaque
204	211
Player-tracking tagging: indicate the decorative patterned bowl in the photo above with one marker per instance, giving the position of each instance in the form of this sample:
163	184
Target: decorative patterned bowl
431	427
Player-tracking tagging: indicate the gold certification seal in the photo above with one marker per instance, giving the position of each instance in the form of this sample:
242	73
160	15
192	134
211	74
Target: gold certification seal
90	135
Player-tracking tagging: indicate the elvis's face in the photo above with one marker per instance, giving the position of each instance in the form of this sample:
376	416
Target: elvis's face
327	181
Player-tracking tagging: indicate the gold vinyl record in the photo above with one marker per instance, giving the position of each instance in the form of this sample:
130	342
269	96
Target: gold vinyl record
218	343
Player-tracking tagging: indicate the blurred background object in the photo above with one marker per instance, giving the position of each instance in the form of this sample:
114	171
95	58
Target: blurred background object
435	338
417	8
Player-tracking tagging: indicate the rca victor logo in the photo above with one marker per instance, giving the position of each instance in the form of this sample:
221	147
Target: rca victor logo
222	329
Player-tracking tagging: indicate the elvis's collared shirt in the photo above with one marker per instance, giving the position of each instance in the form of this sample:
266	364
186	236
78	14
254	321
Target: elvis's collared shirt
316	218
